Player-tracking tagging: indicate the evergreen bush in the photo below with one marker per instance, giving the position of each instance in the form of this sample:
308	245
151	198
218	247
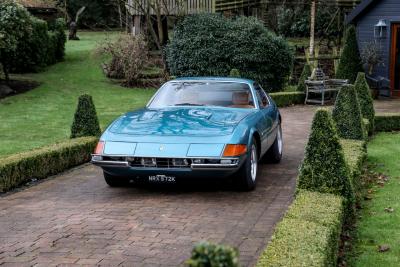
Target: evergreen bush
366	101
234	73
347	114
350	62
207	254
26	44
212	45
85	122
301	86
324	168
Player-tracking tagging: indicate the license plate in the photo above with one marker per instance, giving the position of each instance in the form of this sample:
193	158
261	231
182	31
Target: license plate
162	179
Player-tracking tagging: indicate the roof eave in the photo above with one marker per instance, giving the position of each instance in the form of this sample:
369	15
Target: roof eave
358	10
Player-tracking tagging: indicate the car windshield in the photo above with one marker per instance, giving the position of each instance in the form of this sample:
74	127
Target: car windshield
207	93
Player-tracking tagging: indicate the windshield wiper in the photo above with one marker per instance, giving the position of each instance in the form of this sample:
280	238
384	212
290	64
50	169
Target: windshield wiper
188	104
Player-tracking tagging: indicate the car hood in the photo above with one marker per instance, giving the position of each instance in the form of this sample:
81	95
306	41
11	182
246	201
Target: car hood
198	121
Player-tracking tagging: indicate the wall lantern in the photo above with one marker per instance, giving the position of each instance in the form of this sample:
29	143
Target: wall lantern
380	29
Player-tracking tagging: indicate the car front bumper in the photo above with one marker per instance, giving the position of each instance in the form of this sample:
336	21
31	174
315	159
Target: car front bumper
126	166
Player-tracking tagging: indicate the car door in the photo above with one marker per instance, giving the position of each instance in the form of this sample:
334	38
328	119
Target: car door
267	110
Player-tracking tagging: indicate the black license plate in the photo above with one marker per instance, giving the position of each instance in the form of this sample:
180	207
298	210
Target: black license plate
161	178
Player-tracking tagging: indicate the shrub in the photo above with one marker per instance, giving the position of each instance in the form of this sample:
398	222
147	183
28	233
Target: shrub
324	168
284	99
206	254
210	44
355	153
301	86
309	233
85	119
26	44
234	73
14	28
43	162
350	60
129	55
61	39
366	101
387	122
347	114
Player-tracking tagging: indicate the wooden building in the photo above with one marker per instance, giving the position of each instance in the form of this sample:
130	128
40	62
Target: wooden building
43	9
378	22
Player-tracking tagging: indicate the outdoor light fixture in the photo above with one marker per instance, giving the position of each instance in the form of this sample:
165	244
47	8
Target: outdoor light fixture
380	29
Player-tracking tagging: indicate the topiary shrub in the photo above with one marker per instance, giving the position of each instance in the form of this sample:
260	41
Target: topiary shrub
206	254
324	168
350	60
212	45
387	122
85	119
61	39
301	86
234	73
366	101
347	114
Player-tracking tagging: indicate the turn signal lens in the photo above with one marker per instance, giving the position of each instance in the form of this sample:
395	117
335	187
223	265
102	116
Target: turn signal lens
99	148
234	150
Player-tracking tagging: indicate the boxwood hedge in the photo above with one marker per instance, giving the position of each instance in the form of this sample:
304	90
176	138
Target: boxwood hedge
365	100
309	233
43	162
284	99
387	122
324	168
301	86
347	114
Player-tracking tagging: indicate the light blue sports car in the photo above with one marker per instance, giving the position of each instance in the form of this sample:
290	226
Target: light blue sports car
194	128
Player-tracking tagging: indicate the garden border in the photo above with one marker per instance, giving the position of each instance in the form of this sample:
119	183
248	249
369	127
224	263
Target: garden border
284	99
309	233
387	122
43	162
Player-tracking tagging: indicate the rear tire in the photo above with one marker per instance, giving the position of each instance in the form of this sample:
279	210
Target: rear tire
274	154
115	181
247	174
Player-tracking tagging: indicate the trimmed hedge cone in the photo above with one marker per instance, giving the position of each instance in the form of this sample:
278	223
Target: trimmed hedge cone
301	86
347	114
324	168
365	100
350	60
85	122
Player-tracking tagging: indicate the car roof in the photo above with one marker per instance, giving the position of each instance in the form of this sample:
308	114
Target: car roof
219	79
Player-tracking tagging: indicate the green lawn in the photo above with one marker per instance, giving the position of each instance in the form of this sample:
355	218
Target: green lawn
44	115
376	226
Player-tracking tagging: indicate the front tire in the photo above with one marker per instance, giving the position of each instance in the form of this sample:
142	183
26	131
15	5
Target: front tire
114	181
274	154
247	175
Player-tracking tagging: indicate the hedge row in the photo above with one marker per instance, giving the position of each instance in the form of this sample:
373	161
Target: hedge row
387	122
43	162
26	42
309	233
284	99
355	153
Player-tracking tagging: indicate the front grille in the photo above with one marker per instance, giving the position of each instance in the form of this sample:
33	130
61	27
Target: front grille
159	163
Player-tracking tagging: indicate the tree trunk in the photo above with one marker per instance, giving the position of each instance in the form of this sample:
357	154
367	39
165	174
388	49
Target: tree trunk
159	25
312	28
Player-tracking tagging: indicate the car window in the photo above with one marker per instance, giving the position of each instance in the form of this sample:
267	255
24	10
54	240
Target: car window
203	93
262	97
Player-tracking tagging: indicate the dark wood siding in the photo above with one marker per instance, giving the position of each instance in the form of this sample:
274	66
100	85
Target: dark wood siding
384	9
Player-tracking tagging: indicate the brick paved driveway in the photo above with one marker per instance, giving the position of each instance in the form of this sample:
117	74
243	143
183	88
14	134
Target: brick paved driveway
76	219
